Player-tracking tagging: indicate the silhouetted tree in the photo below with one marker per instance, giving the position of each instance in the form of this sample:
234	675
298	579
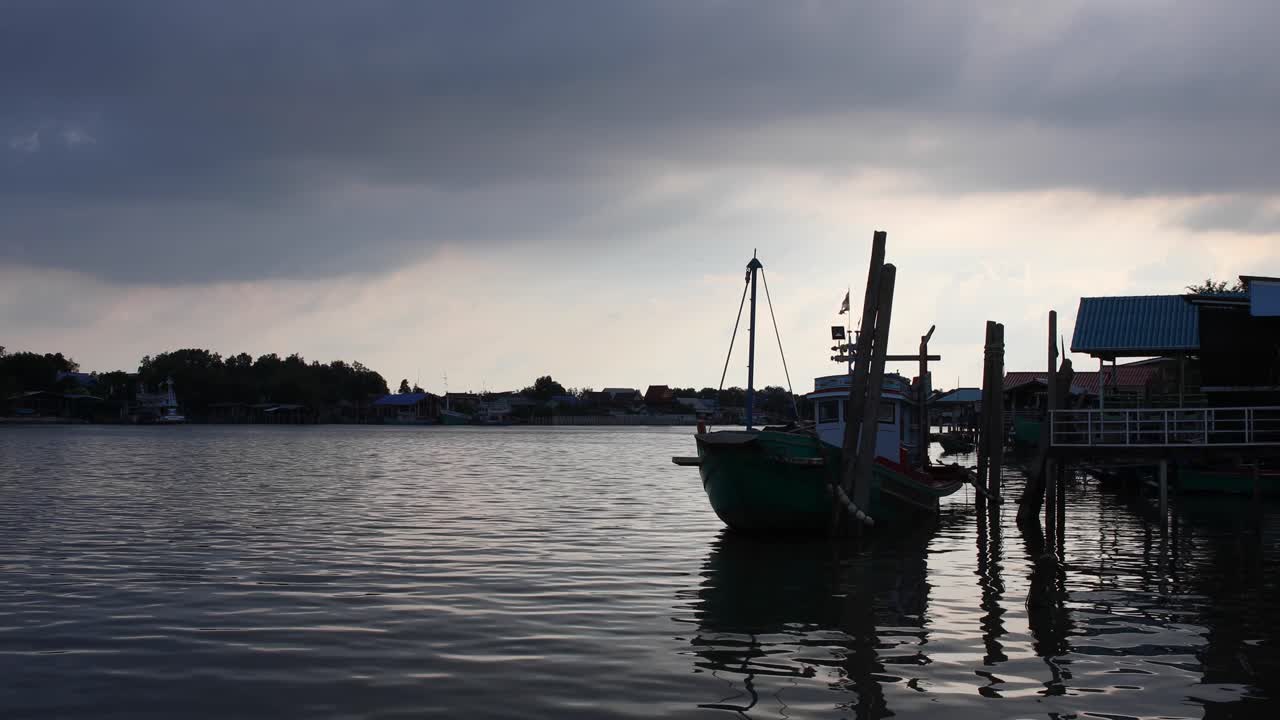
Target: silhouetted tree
404	387
27	371
543	389
202	377
1212	287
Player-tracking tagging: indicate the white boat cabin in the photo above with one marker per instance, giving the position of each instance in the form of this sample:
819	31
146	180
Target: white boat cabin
898	411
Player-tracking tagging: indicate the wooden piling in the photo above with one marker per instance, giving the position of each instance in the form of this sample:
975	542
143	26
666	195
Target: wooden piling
875	383
1164	495
856	402
995	416
1051	471
1062	509
981	428
922	437
1039	485
990	424
862	348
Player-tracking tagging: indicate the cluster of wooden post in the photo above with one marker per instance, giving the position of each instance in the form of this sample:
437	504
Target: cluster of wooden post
922	392
991	420
863	404
1045	475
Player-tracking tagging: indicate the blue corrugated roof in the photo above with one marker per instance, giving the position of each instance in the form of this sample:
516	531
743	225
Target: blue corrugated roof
401	399
81	378
961	395
1139	326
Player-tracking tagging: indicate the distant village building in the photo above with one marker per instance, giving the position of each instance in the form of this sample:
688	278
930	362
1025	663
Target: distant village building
81	379
1024	391
462	401
629	396
958	408
281	414
659	396
495	410
407	408
563	401
700	406
49	404
615	399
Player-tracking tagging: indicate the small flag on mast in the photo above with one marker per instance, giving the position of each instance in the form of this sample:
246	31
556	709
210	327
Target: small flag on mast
844	306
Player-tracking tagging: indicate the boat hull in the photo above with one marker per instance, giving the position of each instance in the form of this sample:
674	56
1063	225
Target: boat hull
1227	481
777	482
1026	432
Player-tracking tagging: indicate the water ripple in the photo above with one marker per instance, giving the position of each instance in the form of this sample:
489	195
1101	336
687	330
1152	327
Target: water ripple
573	572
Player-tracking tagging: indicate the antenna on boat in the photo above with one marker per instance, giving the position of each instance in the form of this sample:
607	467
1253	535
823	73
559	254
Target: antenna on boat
848	324
753	268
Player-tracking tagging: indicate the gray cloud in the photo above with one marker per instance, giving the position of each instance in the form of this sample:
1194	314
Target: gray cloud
1248	215
197	142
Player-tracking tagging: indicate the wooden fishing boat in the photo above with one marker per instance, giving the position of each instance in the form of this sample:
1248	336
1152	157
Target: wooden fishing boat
790	479
782	481
955	443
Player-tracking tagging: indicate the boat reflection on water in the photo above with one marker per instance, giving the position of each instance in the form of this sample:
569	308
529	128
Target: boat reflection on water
806	627
787	622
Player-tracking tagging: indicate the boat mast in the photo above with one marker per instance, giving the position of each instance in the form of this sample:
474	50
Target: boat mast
752	268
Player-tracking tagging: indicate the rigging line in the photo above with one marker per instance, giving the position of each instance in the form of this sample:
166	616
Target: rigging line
777	334
734	338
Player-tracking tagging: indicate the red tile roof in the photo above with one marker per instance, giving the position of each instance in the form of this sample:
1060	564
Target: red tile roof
1130	377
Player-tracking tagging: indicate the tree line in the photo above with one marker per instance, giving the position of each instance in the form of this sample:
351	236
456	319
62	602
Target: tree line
203	377
771	400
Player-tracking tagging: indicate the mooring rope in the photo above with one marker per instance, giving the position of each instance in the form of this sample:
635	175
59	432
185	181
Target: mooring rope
794	407
737	322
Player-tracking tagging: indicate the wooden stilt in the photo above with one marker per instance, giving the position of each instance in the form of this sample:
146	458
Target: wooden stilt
1037	481
995	416
1062	509
1164	496
875	383
853	408
980	433
922	437
989	399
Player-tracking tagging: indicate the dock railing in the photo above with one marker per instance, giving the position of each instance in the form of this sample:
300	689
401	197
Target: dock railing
1166	427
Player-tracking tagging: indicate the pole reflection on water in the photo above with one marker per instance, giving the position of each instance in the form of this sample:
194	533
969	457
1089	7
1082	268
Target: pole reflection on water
990	574
1107	616
811	610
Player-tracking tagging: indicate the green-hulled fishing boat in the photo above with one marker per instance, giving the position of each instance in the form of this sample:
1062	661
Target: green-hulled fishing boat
1026	432
788	479
781	481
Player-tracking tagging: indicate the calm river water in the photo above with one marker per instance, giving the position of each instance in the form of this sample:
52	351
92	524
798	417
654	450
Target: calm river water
574	572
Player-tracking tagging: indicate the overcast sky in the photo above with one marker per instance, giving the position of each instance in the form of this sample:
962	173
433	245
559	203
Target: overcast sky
501	190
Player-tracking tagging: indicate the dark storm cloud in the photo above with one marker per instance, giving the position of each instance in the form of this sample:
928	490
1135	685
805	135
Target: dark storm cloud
1248	215
201	141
